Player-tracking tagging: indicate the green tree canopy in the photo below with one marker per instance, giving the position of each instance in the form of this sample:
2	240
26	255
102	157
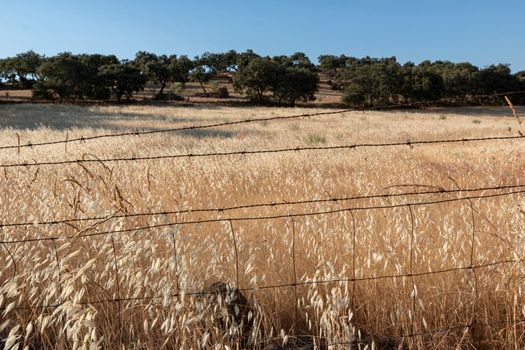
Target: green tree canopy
94	85
180	68
293	84
371	81
218	62
331	64
265	78
497	79
202	75
62	77
257	78
157	69
123	79
244	58
421	83
23	67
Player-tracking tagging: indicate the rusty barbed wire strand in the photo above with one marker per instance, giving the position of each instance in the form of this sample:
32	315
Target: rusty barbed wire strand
283	285
260	205
254	218
264	151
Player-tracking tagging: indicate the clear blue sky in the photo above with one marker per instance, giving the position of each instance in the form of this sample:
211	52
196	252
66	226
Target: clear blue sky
479	31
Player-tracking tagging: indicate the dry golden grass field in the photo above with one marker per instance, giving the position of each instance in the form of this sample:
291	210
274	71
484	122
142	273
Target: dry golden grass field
135	288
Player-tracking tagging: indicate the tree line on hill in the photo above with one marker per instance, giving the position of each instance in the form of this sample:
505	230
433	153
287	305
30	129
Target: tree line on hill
379	81
283	80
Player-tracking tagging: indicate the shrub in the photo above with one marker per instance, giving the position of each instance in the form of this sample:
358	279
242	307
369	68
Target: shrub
222	92
168	96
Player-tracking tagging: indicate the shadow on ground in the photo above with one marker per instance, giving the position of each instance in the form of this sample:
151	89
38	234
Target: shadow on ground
495	111
65	117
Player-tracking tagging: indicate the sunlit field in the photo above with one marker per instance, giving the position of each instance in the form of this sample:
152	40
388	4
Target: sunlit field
436	276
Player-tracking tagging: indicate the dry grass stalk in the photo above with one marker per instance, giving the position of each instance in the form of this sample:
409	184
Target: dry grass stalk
513	109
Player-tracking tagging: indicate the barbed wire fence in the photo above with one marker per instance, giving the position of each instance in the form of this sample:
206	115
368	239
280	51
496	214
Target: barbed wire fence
85	139
458	194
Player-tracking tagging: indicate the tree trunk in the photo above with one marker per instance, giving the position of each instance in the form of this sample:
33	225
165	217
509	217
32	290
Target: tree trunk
260	96
162	87
202	87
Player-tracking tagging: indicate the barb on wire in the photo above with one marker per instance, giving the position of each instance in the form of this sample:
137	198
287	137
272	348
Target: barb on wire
257	218
238	122
261	205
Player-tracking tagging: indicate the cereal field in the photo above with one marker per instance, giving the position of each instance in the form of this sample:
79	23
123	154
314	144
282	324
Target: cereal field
314	266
